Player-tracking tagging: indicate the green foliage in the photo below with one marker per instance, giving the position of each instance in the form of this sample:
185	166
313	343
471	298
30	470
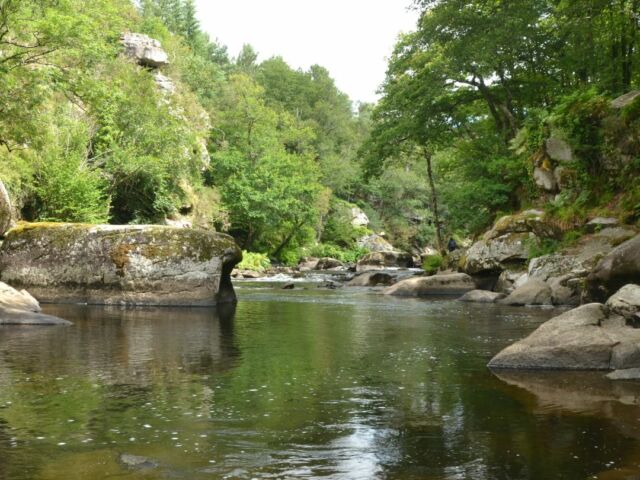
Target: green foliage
345	255
542	246
432	263
257	262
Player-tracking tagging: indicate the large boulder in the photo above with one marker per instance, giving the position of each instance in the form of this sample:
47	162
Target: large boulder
558	150
442	284
509	280
590	337
626	302
112	264
328	263
20	308
146	51
506	245
372	279
508	251
6	212
532	292
382	260
545	179
375	243
620	267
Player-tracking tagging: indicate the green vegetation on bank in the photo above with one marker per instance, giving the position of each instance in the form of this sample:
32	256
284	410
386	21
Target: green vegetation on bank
278	157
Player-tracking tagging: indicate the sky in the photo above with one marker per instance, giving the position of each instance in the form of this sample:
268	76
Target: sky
351	38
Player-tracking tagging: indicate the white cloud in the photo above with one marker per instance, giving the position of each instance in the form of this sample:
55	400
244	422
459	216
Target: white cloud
351	38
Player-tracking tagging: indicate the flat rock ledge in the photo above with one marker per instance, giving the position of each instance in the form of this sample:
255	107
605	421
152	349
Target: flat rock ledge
442	284
120	265
481	296
590	337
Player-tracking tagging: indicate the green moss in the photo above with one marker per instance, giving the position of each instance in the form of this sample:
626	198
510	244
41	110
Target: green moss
432	263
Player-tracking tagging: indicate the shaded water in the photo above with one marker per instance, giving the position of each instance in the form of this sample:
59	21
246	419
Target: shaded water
312	383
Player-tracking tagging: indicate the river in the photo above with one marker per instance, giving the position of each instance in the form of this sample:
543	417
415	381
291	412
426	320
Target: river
303	383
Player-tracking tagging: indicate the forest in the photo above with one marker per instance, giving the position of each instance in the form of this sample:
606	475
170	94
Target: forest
277	156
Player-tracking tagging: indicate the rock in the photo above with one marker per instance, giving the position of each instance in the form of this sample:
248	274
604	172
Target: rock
307	264
250	274
372	279
564	177
382	260
533	292
375	243
509	280
6	212
329	284
327	263
453	261
481	296
573	340
498	254
442	284
21	300
600	223
112	264
624	100
145	50
289	286
164	83
620	267
14	316
137	462
358	217
529	221
545	179
625	302
558	150
590	337
626	374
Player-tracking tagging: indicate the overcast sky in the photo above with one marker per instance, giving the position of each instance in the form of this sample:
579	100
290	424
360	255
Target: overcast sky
351	38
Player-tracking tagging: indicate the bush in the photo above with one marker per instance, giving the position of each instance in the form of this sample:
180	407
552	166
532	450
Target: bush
345	255
257	262
541	247
432	263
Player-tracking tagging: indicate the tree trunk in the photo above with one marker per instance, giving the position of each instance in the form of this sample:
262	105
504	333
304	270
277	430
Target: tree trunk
286	240
434	200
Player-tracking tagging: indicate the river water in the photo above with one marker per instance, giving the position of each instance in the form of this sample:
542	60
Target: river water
308	383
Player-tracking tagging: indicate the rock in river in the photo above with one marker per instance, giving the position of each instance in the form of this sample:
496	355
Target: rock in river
590	337
481	296
111	264
372	279
442	284
20	308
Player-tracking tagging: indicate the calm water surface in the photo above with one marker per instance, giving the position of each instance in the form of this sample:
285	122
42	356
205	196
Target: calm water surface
312	383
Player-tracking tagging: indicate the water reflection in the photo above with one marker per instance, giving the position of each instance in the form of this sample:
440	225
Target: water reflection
342	385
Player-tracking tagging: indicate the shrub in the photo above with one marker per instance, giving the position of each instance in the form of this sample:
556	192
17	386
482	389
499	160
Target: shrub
257	262
432	263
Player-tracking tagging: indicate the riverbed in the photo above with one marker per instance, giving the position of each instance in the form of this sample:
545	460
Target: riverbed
303	383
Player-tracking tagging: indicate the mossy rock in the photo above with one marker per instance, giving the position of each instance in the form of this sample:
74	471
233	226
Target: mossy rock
130	264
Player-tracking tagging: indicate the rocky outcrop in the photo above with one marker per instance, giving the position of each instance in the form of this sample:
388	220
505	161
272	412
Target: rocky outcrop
442	284
358	217
375	243
110	264
145	50
372	279
20	308
625	100
382	260
6	212
506	245
481	296
598	223
558	150
545	179
509	280
590	337
533	292
616	269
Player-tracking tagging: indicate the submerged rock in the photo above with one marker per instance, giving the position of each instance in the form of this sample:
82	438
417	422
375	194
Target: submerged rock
441	284
137	462
111	264
481	296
